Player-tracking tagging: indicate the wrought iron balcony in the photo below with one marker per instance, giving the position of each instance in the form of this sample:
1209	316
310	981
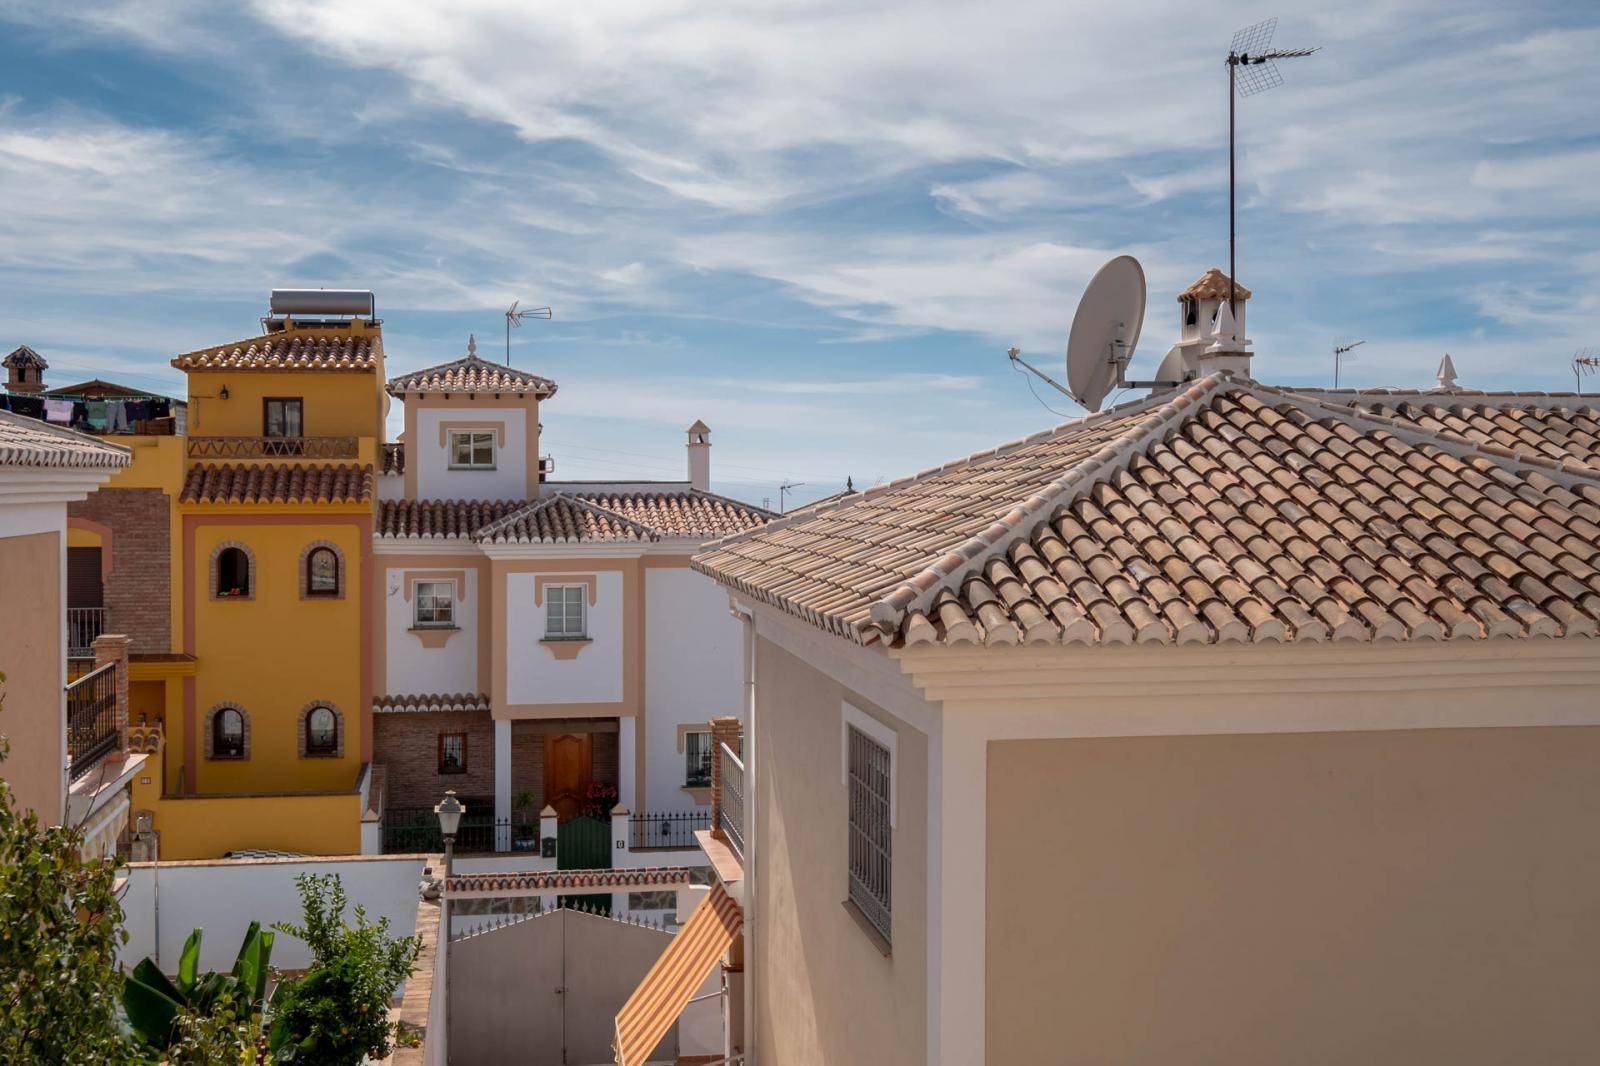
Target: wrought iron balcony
274	447
729	790
84	624
92	731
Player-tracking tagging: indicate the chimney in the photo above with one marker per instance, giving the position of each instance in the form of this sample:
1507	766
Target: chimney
1211	337
700	456
25	370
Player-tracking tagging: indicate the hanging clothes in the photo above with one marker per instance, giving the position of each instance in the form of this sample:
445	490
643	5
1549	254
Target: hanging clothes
96	414
58	411
31	406
116	416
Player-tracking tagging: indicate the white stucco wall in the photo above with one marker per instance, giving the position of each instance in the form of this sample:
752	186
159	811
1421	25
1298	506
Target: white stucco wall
435	479
410	667
693	672
222	897
535	675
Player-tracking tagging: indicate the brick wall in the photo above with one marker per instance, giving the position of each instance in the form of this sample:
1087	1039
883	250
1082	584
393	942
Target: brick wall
605	758
527	763
407	746
138	591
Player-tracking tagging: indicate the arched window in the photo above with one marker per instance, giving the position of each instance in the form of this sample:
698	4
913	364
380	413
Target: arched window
322	572
227	734
321	730
233	573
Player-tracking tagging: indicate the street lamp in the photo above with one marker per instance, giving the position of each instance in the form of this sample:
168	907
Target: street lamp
449	811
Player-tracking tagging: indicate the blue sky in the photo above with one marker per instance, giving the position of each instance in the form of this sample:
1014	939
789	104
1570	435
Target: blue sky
817	226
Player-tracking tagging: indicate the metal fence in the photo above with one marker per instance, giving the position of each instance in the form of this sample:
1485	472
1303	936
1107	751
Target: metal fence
84	624
666	829
414	829
871	868
731	813
91	718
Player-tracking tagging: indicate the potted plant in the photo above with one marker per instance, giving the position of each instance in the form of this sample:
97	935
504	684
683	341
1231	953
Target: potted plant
525	827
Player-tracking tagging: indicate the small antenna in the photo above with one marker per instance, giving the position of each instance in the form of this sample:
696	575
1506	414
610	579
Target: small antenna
1340	351
1584	361
1251	70
516	318
783	490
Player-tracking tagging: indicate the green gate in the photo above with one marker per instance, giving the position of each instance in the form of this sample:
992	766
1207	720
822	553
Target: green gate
584	843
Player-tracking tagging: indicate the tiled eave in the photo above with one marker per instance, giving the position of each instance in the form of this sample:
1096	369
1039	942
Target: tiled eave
432	703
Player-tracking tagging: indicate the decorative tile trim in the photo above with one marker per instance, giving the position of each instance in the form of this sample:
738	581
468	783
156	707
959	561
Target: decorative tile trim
563	880
338	730
216	554
211	734
305	571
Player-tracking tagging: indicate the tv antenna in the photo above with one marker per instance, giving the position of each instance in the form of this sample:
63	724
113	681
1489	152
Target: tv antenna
1339	353
515	317
783	490
1584	361
1252	68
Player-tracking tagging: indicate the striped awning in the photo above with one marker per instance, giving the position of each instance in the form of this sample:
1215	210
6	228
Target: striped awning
694	952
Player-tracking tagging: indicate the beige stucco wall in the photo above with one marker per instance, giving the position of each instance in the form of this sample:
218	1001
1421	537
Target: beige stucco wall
825	995
1372	897
31	649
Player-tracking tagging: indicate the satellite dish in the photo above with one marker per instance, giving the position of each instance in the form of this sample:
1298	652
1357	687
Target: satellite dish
1105	330
1172	370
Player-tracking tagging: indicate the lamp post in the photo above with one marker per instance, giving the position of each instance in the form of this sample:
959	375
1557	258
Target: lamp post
449	811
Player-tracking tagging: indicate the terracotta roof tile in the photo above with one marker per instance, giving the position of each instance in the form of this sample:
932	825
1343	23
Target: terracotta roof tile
1228	512
22	357
472	374
431	703
278	483
572	518
27	441
310	349
1212	285
394	458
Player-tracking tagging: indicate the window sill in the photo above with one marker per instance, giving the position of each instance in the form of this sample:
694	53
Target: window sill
565	648
434	636
223	598
877	938
701	794
471	469
227	758
322	755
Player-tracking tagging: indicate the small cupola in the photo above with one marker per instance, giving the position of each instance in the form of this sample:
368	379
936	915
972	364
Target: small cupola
1210	336
25	370
700	456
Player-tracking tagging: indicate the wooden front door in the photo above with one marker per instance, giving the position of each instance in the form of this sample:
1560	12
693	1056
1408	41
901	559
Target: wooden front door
568	769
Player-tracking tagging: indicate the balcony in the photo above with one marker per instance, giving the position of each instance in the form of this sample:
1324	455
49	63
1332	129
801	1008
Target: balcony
274	447
84	624
93	730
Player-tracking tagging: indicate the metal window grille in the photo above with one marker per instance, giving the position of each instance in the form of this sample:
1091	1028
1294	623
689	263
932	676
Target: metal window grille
871	860
322	572
697	760
322	732
564	608
436	603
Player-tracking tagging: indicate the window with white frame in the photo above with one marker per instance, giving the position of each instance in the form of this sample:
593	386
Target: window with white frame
471	449
564	617
869	783
697	760
434	605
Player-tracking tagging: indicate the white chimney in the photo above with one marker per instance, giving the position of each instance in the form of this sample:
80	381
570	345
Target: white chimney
1210	337
700	456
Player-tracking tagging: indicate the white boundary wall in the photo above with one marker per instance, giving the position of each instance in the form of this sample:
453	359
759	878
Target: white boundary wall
223	896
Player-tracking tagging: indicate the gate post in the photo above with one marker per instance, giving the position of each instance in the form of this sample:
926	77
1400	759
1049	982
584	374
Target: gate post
548	859
621	832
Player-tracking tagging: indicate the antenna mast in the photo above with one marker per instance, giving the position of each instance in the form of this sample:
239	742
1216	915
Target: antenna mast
516	318
1339	352
1251	70
783	490
1584	361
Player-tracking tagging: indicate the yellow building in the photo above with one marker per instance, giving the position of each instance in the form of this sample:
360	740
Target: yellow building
263	689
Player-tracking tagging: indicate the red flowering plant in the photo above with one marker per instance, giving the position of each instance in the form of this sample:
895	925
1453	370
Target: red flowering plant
599	799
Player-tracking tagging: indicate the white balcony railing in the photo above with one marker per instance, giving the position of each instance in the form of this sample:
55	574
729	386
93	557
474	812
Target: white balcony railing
730	812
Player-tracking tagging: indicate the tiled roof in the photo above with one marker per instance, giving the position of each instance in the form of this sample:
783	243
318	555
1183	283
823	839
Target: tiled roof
472	374
278	483
297	350
572	517
1226	512
394	458
440	518
563	880
1212	285
27	441
24	356
431	703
